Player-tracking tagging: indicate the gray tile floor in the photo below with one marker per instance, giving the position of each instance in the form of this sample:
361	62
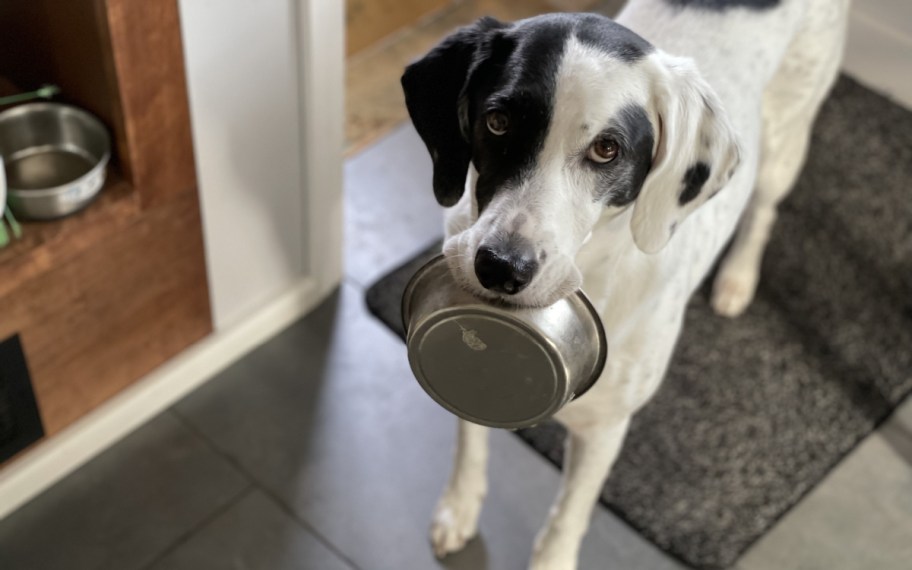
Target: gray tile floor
319	451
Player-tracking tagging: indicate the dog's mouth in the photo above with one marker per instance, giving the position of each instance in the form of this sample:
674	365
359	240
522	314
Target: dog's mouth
545	291
532	300
501	299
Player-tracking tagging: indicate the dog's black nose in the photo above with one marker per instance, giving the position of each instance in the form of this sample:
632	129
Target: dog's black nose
506	271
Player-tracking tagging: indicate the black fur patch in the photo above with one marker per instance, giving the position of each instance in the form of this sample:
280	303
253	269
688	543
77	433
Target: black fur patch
620	180
432	86
519	80
694	179
721	5
608	36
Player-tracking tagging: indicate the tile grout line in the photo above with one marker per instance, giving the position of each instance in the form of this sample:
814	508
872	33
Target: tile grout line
190	533
254	483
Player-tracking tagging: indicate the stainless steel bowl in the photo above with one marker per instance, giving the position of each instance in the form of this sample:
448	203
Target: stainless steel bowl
499	366
55	158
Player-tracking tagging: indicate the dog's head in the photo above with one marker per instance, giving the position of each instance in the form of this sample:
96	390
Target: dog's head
562	119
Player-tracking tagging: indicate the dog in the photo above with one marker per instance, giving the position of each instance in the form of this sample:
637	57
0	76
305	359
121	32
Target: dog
573	150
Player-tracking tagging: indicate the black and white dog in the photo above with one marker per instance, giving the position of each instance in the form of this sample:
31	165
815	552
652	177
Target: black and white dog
571	148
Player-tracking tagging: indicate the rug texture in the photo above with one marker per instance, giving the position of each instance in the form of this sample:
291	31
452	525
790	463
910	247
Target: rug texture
755	411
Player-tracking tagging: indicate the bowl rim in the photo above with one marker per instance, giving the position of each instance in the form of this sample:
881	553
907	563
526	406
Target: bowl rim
24	108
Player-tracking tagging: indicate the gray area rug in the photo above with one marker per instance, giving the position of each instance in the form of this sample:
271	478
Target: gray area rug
755	411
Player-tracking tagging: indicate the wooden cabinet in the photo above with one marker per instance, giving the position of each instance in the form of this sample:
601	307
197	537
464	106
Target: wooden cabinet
101	298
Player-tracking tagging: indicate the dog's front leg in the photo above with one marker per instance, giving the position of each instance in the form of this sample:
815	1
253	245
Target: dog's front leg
589	456
456	517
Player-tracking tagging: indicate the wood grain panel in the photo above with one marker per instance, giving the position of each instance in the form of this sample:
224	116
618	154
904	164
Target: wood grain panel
149	62
106	317
44	245
367	21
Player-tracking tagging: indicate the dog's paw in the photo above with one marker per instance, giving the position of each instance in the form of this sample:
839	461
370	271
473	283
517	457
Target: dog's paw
732	293
554	551
547	561
455	522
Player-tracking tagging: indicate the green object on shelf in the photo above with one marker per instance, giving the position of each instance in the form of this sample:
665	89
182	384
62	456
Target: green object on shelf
14	227
13	224
44	92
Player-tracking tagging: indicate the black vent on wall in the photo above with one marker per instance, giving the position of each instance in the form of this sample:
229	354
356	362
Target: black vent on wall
20	422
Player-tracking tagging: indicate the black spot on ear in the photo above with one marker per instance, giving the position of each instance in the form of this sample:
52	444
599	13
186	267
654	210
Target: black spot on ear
694	179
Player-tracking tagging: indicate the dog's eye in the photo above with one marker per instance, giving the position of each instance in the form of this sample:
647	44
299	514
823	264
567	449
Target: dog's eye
603	150
497	122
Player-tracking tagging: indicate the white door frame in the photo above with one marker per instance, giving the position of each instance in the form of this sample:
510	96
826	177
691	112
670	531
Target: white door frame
321	49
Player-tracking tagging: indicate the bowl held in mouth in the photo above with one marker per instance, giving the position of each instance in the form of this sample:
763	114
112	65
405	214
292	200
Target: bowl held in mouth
495	365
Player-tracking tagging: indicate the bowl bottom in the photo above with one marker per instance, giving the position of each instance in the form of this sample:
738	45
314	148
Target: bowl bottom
486	368
47	167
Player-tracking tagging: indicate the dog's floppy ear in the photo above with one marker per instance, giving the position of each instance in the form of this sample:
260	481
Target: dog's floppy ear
696	154
433	87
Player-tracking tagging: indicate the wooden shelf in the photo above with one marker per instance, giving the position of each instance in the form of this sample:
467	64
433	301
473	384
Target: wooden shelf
45	245
100	298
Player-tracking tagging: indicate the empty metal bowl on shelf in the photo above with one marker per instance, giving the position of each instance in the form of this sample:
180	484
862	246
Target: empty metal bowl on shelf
494	365
55	157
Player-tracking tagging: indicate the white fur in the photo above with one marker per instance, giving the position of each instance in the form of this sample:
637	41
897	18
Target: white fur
768	71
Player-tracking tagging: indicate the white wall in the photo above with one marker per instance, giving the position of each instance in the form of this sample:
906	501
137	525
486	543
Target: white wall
243	73
879	50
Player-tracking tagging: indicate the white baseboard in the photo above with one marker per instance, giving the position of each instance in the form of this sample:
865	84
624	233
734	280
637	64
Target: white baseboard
53	459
